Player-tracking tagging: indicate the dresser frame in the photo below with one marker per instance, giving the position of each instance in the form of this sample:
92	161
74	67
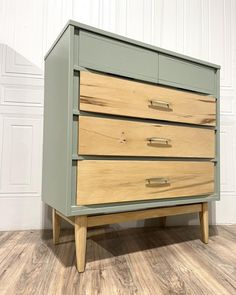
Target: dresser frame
62	68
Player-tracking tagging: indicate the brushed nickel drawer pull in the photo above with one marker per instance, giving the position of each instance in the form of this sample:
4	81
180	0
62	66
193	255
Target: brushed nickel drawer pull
160	104
157	181
158	140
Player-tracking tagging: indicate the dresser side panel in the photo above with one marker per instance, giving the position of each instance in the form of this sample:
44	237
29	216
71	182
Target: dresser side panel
217	165
56	185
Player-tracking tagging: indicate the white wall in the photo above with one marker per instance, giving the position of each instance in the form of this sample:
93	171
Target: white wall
205	29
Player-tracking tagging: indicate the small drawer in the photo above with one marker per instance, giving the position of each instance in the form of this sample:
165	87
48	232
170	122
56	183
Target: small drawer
116	57
112	95
110	181
116	137
185	74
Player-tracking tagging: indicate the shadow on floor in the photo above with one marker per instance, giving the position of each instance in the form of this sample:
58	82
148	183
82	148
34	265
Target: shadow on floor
114	241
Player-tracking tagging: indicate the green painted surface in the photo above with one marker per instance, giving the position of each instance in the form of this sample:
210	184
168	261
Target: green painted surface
187	75
72	53
112	56
88	28
132	206
56	182
217	186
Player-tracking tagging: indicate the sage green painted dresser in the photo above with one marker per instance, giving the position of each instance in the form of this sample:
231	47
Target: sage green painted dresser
131	131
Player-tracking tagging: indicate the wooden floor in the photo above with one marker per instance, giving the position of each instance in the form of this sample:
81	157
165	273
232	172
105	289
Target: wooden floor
135	261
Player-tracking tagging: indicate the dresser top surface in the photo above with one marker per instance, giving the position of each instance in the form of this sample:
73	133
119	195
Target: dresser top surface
130	41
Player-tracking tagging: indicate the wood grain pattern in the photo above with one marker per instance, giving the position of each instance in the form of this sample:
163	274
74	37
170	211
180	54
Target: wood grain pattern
108	181
203	215
102	136
56	226
111	95
120	262
80	241
162	212
142	214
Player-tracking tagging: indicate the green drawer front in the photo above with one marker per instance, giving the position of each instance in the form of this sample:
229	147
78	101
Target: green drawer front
116	57
188	75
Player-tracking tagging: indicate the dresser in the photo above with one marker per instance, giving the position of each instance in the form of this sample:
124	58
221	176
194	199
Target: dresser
131	131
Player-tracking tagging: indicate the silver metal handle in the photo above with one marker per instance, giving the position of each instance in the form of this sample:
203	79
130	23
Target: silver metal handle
157	181
158	140
160	104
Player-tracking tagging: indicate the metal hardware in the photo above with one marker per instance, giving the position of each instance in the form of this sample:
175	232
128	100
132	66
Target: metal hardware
160	104
157	181
158	140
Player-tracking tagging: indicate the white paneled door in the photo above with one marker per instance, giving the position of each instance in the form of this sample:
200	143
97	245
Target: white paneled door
205	29
21	127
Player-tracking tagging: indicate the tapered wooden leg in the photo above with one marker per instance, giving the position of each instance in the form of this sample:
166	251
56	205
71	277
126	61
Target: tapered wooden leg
163	221
56	226
80	241
203	215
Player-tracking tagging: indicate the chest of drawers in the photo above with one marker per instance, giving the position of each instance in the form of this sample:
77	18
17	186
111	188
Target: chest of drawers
131	131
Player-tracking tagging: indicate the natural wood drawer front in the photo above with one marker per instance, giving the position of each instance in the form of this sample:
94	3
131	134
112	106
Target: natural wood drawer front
106	94
108	181
102	136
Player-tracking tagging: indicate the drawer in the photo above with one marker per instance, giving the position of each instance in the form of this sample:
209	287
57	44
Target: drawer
110	181
112	95
117	57
185	74
104	136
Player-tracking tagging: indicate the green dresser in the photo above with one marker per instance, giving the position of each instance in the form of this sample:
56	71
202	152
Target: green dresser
131	131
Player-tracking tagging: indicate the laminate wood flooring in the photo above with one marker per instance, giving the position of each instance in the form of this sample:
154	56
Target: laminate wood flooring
140	261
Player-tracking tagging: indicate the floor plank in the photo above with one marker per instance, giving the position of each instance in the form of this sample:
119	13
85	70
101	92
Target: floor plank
120	261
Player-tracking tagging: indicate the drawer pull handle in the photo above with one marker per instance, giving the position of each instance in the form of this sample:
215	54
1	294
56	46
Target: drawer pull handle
160	104
158	140
157	181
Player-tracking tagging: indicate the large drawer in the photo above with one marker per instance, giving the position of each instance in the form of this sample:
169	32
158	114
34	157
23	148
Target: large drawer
109	181
105	136
185	74
112	95
116	57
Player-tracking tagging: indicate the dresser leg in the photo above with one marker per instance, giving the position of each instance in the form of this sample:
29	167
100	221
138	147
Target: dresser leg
203	215
56	226
163	221
80	241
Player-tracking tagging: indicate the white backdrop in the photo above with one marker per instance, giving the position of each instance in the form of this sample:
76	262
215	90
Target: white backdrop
205	29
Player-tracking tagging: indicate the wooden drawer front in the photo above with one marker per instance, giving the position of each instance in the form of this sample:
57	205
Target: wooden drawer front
109	181
185	74
100	136
113	56
106	94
